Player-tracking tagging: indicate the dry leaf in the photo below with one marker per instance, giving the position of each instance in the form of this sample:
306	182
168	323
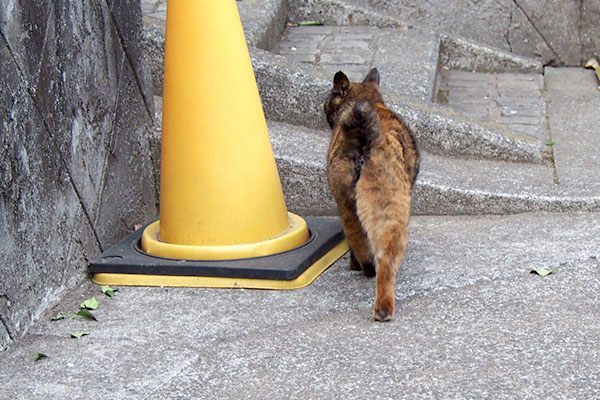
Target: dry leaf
593	63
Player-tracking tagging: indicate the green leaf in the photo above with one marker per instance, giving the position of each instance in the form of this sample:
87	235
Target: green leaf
39	356
309	23
107	290
60	316
550	143
90	304
86	314
542	271
78	335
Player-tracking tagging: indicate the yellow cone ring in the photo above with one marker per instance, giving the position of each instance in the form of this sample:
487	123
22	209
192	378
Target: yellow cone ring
294	236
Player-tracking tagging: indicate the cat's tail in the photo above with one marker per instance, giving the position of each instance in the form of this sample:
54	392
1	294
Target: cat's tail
361	121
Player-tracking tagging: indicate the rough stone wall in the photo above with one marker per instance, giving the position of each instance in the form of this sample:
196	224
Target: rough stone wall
76	172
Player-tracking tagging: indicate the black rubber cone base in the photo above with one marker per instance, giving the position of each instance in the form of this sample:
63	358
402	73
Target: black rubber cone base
126	264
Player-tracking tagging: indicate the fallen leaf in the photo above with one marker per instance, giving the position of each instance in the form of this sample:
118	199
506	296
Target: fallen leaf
593	63
542	271
60	316
39	356
107	290
90	304
78	335
550	143
86	314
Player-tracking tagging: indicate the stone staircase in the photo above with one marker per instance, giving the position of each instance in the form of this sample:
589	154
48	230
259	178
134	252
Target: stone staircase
480	115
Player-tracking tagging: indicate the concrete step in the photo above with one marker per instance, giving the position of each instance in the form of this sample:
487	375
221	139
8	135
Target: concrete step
294	92
301	155
573	99
470	166
459	186
341	13
445	186
406	59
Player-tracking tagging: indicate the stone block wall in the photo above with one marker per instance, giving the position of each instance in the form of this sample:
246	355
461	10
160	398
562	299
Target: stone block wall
76	170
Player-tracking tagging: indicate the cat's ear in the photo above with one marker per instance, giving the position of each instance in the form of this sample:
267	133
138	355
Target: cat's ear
372	76
340	84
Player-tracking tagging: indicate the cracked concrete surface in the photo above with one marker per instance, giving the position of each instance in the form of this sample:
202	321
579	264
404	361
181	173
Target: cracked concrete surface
559	60
560	33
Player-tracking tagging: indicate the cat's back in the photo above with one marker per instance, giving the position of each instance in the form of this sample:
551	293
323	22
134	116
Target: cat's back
399	140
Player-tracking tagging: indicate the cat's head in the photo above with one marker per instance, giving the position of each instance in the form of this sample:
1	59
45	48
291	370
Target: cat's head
345	92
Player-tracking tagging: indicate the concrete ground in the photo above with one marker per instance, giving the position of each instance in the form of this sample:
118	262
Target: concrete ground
472	321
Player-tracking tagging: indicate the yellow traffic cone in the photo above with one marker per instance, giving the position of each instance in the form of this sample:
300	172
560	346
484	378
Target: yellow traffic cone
221	198
220	192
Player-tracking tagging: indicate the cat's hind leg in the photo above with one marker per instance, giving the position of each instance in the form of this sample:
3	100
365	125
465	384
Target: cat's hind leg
386	222
354	264
389	254
360	254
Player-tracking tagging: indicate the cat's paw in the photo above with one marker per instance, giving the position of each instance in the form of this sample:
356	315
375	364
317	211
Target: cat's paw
368	270
354	264
384	311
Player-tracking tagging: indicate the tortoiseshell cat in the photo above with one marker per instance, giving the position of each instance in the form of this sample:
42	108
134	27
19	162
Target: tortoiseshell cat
372	164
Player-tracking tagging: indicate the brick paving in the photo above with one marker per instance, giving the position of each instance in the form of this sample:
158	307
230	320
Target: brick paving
407	59
350	49
514	100
511	99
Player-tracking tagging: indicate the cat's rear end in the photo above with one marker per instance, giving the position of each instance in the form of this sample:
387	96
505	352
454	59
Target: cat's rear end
372	164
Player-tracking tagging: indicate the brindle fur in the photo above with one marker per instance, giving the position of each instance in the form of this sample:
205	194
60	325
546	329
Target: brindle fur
372	164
